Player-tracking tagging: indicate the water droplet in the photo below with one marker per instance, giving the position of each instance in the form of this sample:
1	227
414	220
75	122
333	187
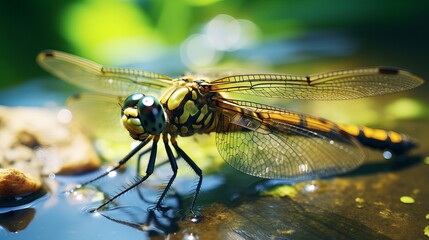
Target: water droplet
190	236
387	155
112	174
311	187
196	219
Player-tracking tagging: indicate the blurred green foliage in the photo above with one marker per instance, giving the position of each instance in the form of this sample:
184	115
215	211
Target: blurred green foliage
109	31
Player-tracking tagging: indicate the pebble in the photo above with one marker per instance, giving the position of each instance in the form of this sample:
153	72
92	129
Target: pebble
35	143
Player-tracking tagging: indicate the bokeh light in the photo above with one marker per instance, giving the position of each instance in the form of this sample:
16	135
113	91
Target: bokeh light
221	34
226	33
197	52
108	31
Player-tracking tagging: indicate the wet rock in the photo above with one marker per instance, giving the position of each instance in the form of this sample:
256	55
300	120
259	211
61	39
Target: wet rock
16	183
37	142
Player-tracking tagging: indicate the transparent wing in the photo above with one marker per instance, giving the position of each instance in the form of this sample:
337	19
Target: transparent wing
99	116
336	85
92	76
219	73
271	142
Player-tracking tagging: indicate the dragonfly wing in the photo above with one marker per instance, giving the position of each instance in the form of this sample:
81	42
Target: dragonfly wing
271	147
92	76
218	73
336	85
99	116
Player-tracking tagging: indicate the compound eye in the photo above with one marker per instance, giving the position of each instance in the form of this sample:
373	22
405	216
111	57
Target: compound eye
152	115
132	101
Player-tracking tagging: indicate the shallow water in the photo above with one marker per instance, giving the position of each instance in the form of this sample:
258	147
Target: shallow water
58	215
61	214
363	203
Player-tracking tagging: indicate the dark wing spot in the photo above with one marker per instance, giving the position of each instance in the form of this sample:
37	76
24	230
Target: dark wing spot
308	80
48	53
153	129
76	96
159	125
145	123
388	70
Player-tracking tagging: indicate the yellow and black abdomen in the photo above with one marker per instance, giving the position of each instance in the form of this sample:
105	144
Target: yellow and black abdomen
380	139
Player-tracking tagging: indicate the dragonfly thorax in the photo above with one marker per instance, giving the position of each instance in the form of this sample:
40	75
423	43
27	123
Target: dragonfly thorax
143	116
189	108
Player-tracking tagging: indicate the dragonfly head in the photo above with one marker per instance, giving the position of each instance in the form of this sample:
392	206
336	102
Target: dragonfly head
143	116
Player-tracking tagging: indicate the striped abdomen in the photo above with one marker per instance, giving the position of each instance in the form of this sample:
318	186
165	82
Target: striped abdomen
380	139
247	116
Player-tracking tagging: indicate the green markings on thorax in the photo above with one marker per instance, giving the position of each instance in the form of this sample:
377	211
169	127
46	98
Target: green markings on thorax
188	110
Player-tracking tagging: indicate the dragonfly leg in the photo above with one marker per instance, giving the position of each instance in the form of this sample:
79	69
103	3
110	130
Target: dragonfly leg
139	160
138	171
194	167
120	163
139	192
174	168
149	171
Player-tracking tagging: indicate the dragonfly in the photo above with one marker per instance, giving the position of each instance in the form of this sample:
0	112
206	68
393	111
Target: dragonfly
253	137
